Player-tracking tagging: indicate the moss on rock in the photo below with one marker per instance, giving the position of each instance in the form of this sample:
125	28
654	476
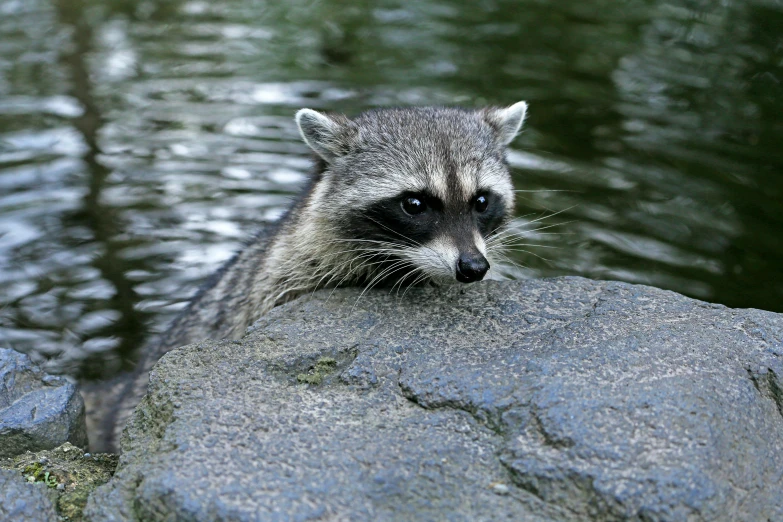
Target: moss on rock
68	471
323	367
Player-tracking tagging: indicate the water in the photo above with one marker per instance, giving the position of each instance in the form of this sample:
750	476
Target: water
140	141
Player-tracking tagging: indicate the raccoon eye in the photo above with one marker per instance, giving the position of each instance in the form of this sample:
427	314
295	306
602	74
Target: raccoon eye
413	206
481	204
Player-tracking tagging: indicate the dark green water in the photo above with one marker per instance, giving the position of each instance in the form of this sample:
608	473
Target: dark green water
140	141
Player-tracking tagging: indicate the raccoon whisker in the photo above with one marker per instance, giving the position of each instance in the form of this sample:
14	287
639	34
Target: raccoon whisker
359	240
393	268
390	243
507	260
364	264
530	245
286	291
494	234
553	214
336	271
499	229
520	230
292	269
395	250
502	250
516	241
520	233
329	260
382	246
552	233
520	236
509	225
341	281
398	284
531	253
547	190
367	251
394	231
550	226
506	239
369	254
397	265
416	281
519	222
305	283
536	202
407	265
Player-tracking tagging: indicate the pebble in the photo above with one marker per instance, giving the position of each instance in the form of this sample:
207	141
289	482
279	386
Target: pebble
500	489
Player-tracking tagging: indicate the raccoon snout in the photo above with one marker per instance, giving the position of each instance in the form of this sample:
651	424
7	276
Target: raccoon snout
471	267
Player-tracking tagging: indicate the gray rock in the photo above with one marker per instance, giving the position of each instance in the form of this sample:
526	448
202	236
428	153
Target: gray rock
37	411
24	502
563	399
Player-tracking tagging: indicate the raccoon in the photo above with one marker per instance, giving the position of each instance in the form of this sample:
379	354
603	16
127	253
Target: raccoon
398	197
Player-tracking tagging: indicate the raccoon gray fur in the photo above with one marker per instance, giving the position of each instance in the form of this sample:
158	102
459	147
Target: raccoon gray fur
398	197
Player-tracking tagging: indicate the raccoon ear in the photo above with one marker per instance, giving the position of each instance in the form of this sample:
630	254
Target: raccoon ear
508	121
329	136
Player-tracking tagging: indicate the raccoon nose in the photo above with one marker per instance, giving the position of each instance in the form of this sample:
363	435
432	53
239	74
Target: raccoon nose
471	267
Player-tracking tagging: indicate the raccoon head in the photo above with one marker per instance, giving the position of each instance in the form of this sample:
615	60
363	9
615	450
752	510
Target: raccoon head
421	188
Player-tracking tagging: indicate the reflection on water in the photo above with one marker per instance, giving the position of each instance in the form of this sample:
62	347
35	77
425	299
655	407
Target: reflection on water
140	141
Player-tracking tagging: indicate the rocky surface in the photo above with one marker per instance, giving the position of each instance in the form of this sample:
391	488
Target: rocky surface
563	399
67	473
37	411
21	501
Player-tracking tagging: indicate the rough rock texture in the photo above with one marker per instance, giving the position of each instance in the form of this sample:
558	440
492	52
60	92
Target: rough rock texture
37	410
69	474
563	399
23	502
